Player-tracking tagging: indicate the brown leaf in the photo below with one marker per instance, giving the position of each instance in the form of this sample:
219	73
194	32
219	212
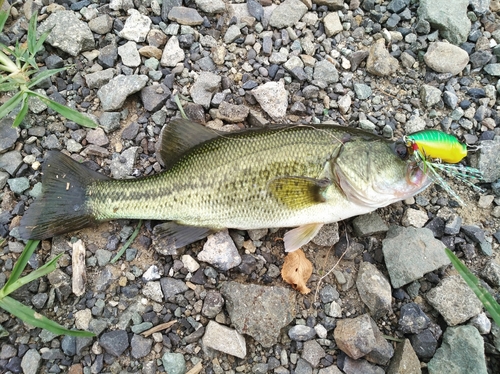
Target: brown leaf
297	270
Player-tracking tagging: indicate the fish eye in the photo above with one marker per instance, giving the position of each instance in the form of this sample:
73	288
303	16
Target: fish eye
401	150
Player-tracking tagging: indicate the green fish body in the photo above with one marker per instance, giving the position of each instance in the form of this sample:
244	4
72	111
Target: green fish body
296	176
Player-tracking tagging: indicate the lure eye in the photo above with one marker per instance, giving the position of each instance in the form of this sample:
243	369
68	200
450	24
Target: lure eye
401	150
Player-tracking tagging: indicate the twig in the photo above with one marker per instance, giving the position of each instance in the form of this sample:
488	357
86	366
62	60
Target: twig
163	326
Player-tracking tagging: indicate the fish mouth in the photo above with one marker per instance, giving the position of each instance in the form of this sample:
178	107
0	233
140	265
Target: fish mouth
416	178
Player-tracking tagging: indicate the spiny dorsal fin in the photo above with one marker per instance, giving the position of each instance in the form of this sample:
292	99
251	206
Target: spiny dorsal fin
180	135
298	192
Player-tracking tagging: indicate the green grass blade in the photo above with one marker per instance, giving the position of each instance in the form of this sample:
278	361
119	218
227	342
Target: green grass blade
11	104
22	113
32	34
21	263
33	318
127	244
179	105
44	75
9	86
65	111
40	272
489	303
4	15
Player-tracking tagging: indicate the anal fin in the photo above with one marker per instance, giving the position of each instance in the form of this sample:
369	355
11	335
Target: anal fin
299	236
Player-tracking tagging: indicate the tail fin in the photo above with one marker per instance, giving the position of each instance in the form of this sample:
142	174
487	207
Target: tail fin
62	207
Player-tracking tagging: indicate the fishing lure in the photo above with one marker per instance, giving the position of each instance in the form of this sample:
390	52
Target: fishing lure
431	148
436	144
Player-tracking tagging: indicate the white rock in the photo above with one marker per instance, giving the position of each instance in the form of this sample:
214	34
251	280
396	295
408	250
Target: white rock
224	339
136	27
190	263
273	98
172	53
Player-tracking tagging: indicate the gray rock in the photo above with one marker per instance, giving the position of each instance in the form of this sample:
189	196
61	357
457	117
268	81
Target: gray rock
233	32
332	23
219	250
97	137
355	336
409	253
123	165
259	311
114	93
453	25
52	142
224	339
152	290
415	217
328	294
396	6
211	6
363	91
382	352
333	310
360	366
405	360
461	352
325	71
369	224
185	16
31	361
69	33
154	97
110	121
412	319
108	56
327	236
482	323
204	87
380	62
99	78
454	300
18	185
102	24
301	333
172	53
330	4
103	256
255	9
287	14
172	287
129	54
332	369
167	6
140	346
446	58
114	342
374	290
11	162
491	272
273	98
212	304
429	95
174	363
493	69
233	113
313	352
303	367
136	26
489	159
8	134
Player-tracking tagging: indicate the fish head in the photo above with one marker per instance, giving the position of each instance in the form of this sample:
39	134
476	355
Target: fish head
376	172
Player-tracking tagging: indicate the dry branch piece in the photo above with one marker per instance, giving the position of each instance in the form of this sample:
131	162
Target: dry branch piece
297	270
79	271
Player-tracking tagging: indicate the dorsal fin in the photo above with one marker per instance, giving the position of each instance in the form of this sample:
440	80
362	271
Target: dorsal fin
180	135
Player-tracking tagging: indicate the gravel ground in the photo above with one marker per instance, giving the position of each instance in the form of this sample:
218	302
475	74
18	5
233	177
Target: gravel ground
388	67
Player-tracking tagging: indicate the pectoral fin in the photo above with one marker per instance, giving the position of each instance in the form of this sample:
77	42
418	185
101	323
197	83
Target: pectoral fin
296	238
298	192
178	236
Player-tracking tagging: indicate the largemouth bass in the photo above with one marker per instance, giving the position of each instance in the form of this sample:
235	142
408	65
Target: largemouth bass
301	176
